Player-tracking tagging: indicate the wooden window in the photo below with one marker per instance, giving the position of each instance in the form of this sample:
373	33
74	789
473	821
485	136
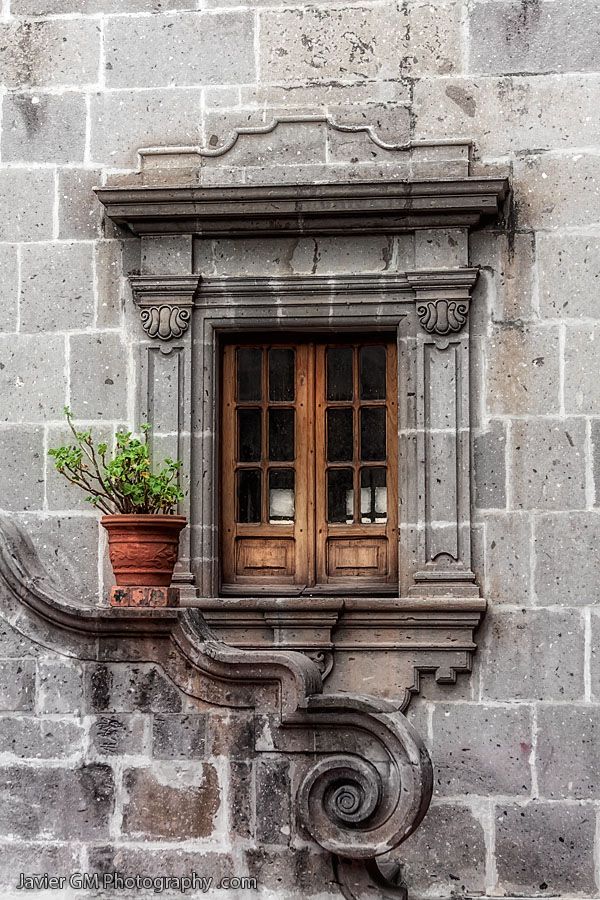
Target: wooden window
309	466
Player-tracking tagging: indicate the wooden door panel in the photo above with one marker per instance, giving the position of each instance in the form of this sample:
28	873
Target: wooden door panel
265	557
357	557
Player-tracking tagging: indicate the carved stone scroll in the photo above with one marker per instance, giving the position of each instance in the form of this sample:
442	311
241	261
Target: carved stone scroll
165	322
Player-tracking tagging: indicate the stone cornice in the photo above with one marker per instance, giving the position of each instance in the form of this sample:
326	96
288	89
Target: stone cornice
304	209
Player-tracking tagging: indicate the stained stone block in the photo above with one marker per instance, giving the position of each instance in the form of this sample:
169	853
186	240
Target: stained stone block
130	688
447	851
192	48
30	738
438	248
93	7
553	191
110	268
568	763
536	655
98	376
336	255
60	687
176	736
79	213
44	128
18	857
545	847
547	464
22	472
231	734
510	270
57	804
273	813
169	861
124	121
284	872
523	370
26	205
505	36
27	392
567	567
54	53
489	465
582	362
569	275
172	802
9	288
57	290
241	798
507	558
169	255
595	654
481	749
14	645
118	734
17	685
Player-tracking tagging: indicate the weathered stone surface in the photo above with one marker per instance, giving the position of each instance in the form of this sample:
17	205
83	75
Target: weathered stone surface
566	567
143	596
51	54
557	191
273	813
9	288
505	36
123	688
231	734
582	359
28	395
178	736
79	213
167	255
33	802
173	801
154	51
447	850
22	472
14	645
110	265
30	738
93	7
57	289
468	741
489	455
545	847
26	204
60	687
118	735
286	872
44	128
168	861
533	655
569	274
33	858
507	558
568	764
547	464
17	685
98	376
523	370
241	798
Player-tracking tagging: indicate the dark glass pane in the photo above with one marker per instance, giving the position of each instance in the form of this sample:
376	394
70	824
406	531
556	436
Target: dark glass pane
372	373
249	371
373	495
281	435
372	433
340	496
281	374
249	435
248	495
340	445
340	384
281	496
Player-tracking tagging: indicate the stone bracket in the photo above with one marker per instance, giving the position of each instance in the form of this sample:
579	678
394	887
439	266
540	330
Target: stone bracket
165	304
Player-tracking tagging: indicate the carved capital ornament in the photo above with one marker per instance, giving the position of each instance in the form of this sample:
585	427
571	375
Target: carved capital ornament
165	322
442	316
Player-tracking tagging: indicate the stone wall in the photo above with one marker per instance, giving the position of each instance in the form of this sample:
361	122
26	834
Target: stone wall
88	82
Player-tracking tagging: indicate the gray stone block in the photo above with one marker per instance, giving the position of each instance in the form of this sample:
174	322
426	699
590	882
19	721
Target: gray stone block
22	473
17	685
60	687
567	567
118	734
533	655
30	738
437	248
171	801
190	49
14	645
178	735
167	255
9	288
273	813
287	146
98	376
505	36
569	275
57	287
568	763
26	205
231	734
523	364
79	212
582	362
545	847
124	121
287	873
447	853
482	750
547	464
18	857
109	282
241	798
554	191
135	688
53	53
489	466
507	558
44	128
93	7
56	803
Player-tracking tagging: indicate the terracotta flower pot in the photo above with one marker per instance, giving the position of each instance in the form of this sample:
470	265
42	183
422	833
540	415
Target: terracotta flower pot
143	549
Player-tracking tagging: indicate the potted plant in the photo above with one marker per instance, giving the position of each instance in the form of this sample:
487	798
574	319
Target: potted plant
138	504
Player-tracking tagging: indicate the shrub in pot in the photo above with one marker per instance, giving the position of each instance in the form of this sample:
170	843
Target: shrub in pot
138	504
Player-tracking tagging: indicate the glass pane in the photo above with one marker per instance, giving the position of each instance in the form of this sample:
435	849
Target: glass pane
340	496
249	381
372	433
249	435
281	434
281	496
372	373
281	374
373	495
340	385
340	444
248	495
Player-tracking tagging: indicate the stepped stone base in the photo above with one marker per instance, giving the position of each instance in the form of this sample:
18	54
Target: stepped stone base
144	596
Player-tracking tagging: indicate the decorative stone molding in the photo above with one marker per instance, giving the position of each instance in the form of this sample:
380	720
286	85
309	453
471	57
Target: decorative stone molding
442	316
367	782
165	304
